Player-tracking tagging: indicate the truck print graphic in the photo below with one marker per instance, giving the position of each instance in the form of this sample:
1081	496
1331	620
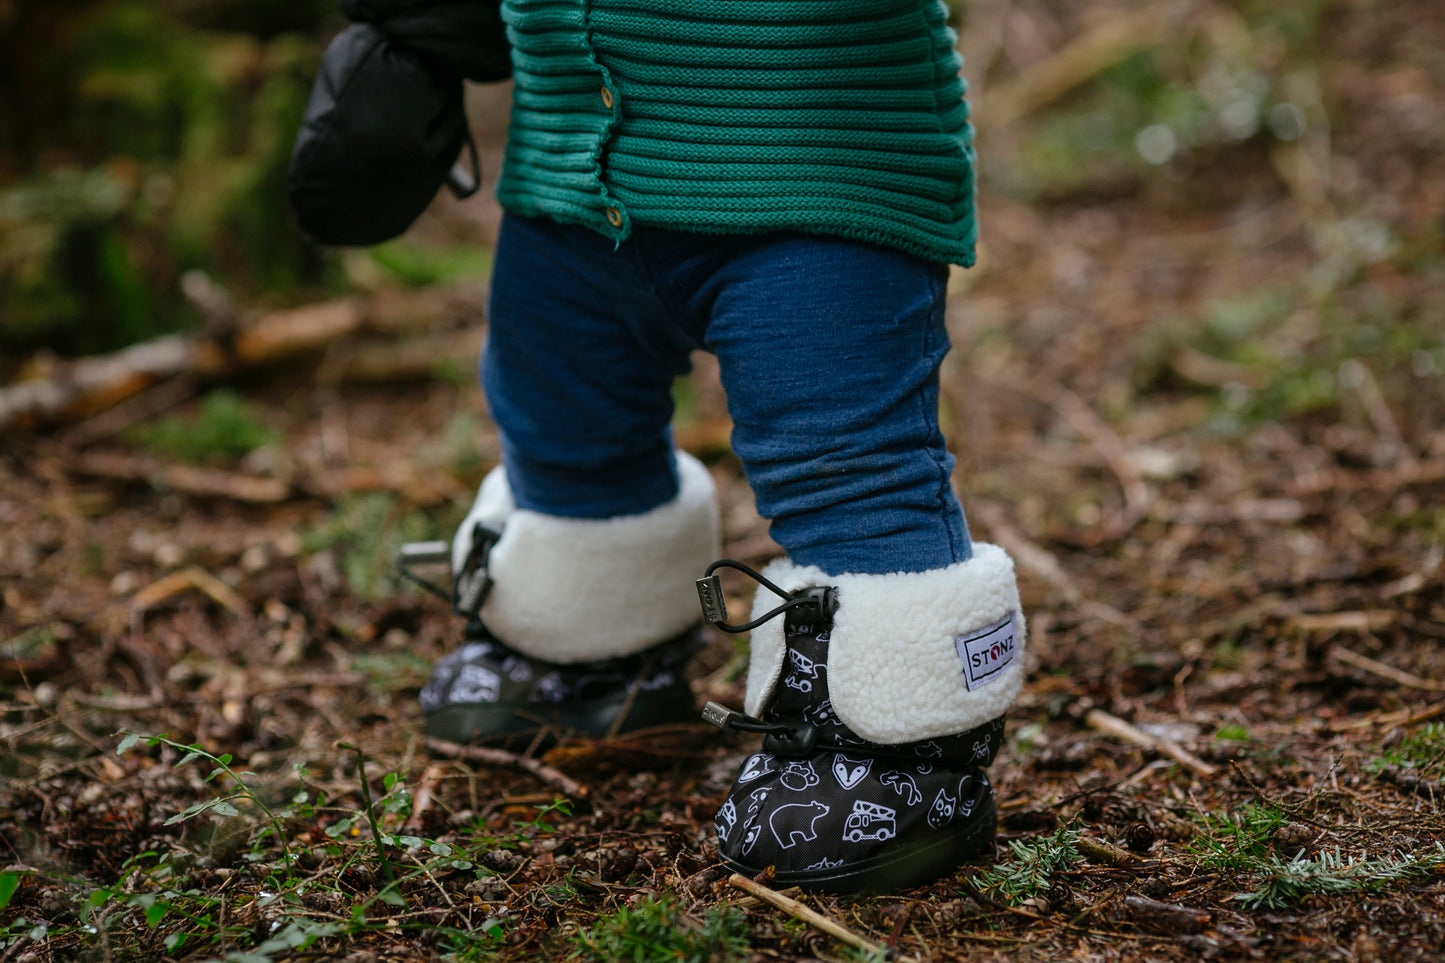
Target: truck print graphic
870	821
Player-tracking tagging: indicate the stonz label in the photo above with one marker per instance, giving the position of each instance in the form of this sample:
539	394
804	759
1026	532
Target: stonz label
987	652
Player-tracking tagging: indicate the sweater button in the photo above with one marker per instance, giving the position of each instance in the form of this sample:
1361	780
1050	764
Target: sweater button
614	216
607	100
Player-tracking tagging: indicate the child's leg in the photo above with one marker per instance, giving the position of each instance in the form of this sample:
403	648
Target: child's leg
829	352
577	558
888	695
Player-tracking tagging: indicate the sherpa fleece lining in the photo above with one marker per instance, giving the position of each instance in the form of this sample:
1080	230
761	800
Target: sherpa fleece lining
894	674
577	589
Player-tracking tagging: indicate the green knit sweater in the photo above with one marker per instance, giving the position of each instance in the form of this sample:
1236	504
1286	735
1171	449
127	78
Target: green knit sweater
838	117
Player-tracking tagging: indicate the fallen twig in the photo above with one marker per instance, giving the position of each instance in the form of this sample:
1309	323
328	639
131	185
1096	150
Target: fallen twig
1080	61
79	389
1114	726
1401	717
1110	855
187	578
1168	917
500	757
182	478
810	916
1395	675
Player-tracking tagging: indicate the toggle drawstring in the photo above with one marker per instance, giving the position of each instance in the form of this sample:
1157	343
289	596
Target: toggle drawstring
798	741
822	600
470	586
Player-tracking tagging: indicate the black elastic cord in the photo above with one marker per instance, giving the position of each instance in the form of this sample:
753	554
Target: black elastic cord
425	583
792	601
725	718
750	572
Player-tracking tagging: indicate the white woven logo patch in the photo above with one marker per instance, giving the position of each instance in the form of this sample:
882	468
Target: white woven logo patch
987	652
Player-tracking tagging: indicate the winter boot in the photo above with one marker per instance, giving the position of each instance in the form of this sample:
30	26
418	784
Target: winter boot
575	626
881	699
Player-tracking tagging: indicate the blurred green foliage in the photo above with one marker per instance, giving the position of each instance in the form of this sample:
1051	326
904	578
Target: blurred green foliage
224	429
365	531
418	266
152	138
1152	113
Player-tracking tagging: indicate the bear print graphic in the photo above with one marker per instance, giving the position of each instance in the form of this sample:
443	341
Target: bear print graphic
789	836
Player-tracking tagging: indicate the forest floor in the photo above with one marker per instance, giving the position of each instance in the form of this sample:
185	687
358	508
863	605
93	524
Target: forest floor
1205	414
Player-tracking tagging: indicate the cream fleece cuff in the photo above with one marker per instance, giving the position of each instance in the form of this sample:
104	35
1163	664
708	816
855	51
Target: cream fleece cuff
911	655
578	589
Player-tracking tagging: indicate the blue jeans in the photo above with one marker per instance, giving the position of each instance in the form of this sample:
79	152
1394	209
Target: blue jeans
829	353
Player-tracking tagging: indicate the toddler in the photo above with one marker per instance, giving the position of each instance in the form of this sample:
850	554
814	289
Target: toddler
782	183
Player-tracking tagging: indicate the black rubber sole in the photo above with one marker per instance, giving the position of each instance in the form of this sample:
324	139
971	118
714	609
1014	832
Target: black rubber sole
911	864
512	725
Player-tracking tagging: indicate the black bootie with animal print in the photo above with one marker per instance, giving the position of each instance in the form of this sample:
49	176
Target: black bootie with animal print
830	810
575	626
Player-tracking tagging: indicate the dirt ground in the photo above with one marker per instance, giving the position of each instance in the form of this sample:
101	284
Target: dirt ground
1204	411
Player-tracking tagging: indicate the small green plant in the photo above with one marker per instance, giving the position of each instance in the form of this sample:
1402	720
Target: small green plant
1232	732
657	929
1031	866
220	805
1286	882
1422	751
225	428
1237	841
153	896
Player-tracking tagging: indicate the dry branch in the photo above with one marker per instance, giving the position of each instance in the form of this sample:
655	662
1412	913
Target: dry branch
500	757
1402	717
1079	62
1166	917
1108	855
187	578
1342	654
810	916
1112	725
181	478
81	388
89	385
